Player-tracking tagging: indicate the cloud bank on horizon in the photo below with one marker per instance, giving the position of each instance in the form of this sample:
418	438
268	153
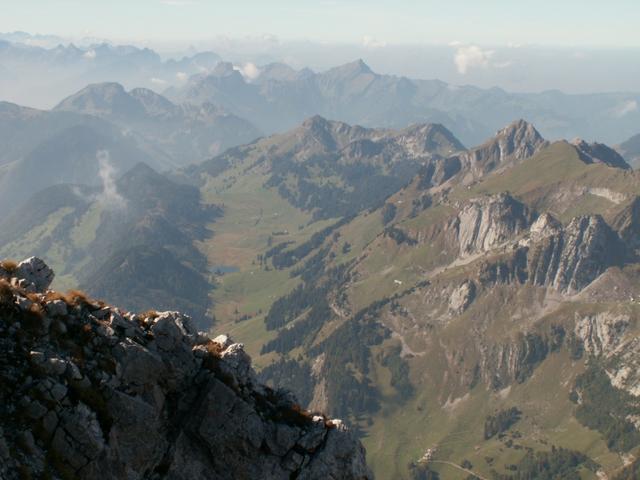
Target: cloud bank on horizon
372	22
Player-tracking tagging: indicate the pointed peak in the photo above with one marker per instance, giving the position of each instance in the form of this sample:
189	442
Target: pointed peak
357	67
316	121
141	174
520	126
361	66
140	169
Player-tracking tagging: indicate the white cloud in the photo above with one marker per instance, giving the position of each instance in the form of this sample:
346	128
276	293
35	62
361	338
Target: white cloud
109	196
182	77
158	81
625	108
371	42
249	71
89	54
471	56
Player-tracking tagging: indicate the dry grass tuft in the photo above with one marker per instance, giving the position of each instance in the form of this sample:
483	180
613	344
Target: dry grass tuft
9	266
78	298
149	314
211	361
51	296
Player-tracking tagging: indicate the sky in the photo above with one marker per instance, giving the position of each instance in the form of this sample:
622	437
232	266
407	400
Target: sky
587	23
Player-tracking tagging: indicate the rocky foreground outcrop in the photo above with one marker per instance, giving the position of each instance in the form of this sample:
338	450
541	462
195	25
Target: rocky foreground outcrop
89	391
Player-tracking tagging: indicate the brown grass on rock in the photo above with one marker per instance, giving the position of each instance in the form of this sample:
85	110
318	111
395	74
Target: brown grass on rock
9	266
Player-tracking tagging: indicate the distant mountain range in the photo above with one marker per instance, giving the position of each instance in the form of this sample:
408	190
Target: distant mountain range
43	148
275	97
182	133
280	97
39	76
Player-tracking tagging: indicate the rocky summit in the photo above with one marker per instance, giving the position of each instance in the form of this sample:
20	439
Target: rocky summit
90	391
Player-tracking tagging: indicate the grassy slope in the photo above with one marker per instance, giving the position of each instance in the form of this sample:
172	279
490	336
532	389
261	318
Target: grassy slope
454	424
252	213
37	242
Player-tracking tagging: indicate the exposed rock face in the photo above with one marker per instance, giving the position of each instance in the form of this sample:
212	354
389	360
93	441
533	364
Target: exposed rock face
627	224
566	258
503	364
518	141
487	222
429	138
571	258
599	153
462	297
436	171
624	369
602	333
89	391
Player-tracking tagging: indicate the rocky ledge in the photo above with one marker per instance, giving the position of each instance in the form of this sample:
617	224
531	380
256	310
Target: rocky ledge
89	391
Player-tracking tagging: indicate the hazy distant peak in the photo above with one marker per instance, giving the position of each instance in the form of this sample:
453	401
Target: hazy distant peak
113	101
224	69
319	124
140	169
103	88
139	179
351	69
107	91
278	71
12	108
315	122
599	153
101	99
153	103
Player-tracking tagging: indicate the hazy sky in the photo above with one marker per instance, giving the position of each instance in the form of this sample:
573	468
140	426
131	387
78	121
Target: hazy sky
375	22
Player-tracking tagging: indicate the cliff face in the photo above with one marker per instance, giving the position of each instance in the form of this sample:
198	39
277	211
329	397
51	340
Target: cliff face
543	252
488	222
89	391
569	259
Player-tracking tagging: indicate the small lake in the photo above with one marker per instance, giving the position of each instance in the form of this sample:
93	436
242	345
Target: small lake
223	269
